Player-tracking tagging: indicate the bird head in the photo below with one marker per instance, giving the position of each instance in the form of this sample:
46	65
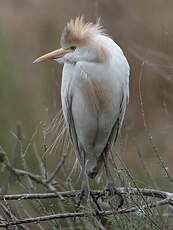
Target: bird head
79	42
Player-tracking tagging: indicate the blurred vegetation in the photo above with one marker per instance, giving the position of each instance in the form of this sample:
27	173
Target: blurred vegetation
30	94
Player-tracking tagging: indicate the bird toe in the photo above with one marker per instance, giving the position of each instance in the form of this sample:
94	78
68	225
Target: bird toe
112	192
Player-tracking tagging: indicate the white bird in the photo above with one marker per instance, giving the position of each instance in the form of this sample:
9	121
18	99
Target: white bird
94	94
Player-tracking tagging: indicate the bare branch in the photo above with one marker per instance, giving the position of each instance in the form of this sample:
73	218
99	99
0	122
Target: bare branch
85	214
126	191
35	177
61	163
10	217
20	172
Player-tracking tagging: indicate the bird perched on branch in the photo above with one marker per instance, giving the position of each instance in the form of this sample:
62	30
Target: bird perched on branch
94	93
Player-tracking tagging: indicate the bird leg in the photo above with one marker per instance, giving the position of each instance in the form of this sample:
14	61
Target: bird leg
111	185
85	189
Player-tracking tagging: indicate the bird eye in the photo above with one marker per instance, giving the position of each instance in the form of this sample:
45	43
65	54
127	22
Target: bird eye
73	47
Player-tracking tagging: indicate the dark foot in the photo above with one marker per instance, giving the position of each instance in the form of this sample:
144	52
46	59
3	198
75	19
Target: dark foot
113	191
85	193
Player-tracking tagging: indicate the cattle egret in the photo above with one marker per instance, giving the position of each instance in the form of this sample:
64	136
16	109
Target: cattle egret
94	94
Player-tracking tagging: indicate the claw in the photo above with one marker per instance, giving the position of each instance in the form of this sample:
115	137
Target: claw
111	186
96	202
113	191
90	196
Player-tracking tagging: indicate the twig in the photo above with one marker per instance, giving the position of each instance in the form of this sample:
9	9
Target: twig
10	217
74	193
156	151
61	163
144	165
23	159
20	172
82	214
14	157
35	177
39	160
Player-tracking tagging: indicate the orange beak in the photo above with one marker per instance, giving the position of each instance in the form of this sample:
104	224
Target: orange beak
52	55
